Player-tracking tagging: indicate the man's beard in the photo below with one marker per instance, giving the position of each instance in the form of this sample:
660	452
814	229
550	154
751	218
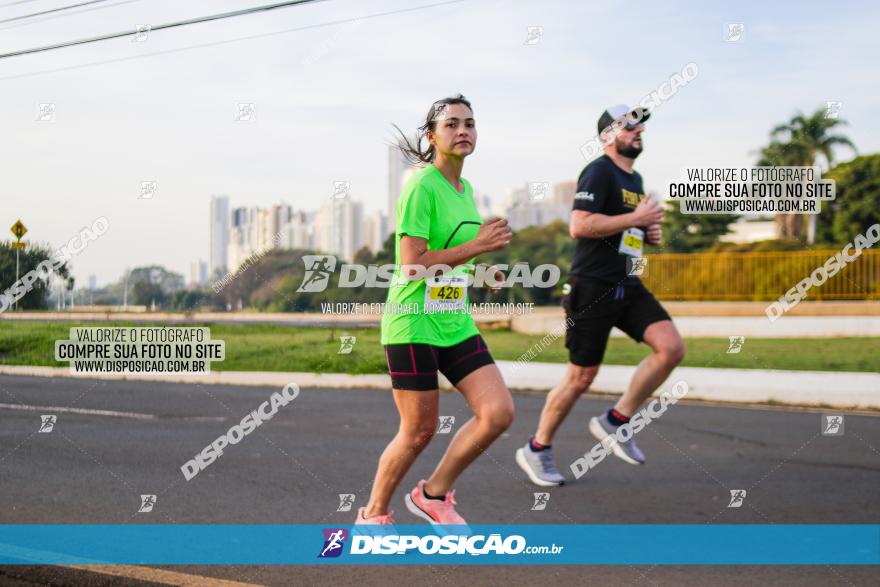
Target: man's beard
630	151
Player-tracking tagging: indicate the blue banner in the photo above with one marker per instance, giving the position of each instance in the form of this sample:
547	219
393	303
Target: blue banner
571	544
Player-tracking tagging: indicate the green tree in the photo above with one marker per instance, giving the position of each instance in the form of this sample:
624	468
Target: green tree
803	141
385	255
29	257
152	284
144	293
188	300
857	203
809	139
363	256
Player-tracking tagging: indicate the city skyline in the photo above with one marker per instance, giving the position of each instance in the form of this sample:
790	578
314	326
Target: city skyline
340	226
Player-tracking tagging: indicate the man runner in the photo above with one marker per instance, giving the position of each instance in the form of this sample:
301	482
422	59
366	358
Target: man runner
611	218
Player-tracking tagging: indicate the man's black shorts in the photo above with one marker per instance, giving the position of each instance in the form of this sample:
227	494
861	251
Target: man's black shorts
414	366
594	307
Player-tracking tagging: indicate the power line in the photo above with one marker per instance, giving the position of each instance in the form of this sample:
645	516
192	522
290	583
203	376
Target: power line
235	40
169	25
60	9
40	19
17	2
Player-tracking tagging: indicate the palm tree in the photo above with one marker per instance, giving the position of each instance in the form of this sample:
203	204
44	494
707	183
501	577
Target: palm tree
778	154
804	140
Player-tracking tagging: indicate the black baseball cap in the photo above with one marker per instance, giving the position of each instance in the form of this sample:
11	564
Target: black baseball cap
633	116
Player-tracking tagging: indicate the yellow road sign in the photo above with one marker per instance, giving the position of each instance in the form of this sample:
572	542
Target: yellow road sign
18	245
18	229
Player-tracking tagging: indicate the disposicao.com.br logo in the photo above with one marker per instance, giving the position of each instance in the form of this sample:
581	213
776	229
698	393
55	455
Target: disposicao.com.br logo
450	544
319	269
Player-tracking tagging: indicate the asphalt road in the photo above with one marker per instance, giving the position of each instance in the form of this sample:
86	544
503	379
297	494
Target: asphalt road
92	468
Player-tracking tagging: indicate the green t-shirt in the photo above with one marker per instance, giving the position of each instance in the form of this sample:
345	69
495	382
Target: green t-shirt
430	208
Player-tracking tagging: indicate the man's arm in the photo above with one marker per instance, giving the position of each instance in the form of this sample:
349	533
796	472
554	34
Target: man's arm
594	225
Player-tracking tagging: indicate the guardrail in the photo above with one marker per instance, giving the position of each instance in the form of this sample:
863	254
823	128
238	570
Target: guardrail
759	276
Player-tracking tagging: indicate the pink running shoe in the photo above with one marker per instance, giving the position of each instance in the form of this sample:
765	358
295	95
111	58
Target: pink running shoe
435	511
382	519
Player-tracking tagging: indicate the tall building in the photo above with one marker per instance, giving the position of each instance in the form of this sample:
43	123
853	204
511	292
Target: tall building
563	193
281	217
267	228
198	274
484	205
339	227
299	232
399	170
93	282
255	230
242	235
219	259
520	213
524	210
375	230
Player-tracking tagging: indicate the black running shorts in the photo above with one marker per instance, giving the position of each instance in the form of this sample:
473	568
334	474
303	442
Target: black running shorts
414	366
594	307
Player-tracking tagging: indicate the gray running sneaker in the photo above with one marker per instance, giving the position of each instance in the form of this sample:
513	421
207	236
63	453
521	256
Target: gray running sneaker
602	429
539	466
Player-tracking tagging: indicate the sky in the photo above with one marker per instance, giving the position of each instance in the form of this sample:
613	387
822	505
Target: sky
329	79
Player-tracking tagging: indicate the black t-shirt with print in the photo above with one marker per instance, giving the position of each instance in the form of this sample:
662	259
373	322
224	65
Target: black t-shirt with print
605	188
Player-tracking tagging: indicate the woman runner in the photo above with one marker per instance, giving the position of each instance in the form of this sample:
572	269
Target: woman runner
426	326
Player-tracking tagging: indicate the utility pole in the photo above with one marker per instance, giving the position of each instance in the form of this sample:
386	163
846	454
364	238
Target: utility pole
19	230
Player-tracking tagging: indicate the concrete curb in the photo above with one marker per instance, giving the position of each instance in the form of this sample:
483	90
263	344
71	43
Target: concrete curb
803	388
724	326
717	319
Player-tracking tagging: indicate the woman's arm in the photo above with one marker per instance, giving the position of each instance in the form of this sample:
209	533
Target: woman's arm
493	235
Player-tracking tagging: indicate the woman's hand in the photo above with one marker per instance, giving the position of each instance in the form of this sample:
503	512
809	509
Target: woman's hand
494	234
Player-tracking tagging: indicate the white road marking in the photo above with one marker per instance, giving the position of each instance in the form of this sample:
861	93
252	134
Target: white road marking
60	409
